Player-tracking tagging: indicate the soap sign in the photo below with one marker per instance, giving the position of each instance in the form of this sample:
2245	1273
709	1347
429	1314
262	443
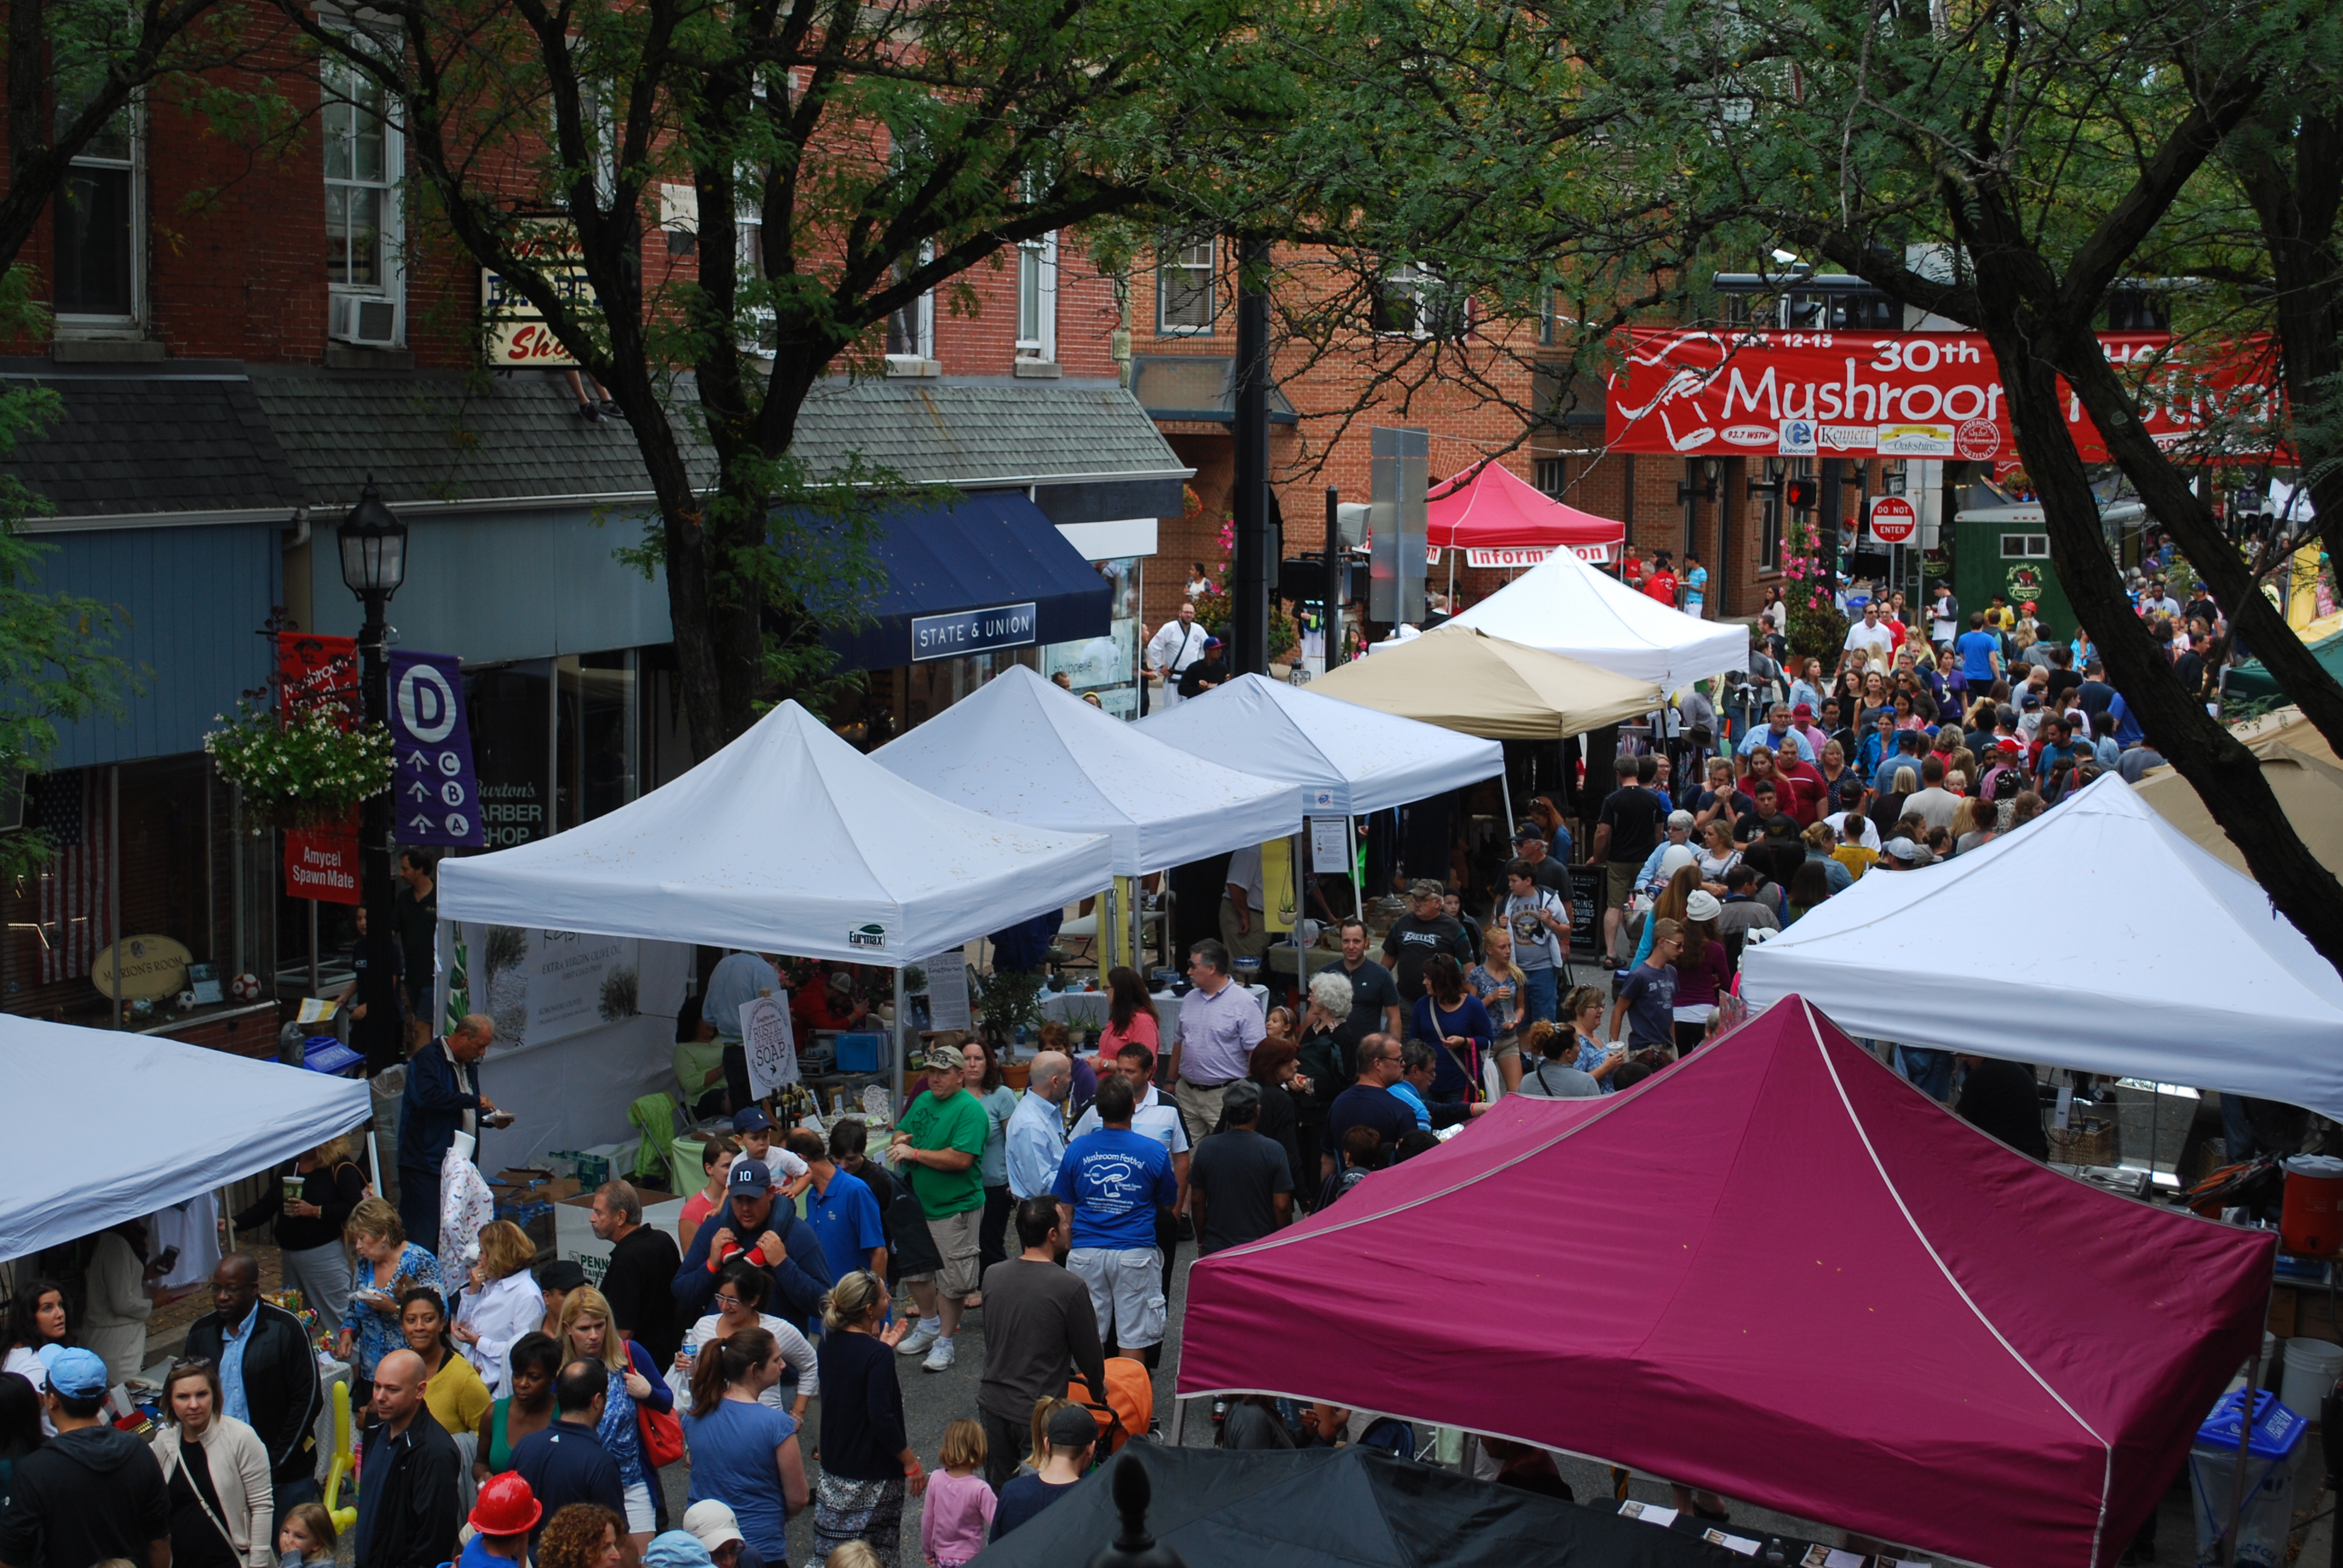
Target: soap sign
772	1054
968	631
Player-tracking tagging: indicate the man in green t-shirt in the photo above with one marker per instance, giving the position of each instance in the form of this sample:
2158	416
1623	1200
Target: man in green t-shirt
937	1146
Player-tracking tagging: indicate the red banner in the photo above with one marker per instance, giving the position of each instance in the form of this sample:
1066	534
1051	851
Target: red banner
1698	393
313	670
320	863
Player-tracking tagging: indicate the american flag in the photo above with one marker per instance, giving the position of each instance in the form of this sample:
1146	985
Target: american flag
72	907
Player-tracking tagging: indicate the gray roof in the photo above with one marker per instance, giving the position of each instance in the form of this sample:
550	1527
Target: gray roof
161	440
137	445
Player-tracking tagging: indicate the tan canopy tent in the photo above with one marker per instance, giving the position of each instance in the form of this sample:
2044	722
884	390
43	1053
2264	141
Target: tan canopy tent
2303	775
1463	679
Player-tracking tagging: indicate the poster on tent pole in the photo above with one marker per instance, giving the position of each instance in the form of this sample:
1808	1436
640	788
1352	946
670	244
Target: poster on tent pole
766	1037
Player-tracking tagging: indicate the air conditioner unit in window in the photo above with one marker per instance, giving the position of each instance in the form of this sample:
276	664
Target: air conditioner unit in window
354	319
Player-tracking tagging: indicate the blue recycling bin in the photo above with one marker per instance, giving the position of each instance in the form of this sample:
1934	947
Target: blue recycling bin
2274	1452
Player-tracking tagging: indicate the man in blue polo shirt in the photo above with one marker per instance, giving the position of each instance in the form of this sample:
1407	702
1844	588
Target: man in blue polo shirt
842	1209
1110	1187
566	1462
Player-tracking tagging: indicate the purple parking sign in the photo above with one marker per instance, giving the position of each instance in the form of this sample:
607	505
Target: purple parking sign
435	795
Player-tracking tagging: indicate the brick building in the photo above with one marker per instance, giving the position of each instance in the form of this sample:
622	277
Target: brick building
244	336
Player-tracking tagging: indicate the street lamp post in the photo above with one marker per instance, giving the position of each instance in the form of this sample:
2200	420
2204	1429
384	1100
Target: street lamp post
374	565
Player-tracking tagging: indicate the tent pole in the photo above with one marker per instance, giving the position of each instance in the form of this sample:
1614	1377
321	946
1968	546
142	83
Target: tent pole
896	1099
1350	856
1505	782
1109	928
2228	1553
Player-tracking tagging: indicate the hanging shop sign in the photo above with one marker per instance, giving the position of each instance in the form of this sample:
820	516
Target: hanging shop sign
1931	395
151	967
516	333
435	793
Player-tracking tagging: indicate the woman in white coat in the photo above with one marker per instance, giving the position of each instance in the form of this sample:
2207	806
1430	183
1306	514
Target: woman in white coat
223	1504
503	1302
114	1323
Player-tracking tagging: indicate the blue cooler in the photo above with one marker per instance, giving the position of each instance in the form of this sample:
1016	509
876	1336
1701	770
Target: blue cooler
860	1052
2273	1453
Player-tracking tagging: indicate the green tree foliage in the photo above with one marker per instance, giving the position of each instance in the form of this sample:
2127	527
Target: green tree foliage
847	158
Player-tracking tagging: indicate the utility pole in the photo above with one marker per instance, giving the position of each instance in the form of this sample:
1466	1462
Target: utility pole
1248	564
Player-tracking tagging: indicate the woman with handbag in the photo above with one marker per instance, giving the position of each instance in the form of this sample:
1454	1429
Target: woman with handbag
589	1332
1451	1020
223	1504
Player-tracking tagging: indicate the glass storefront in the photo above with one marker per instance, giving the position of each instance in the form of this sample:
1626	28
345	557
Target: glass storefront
1108	665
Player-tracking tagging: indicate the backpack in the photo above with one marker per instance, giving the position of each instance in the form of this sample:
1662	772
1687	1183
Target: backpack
1392	1436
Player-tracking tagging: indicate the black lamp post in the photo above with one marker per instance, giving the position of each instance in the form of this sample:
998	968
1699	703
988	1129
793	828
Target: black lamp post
374	565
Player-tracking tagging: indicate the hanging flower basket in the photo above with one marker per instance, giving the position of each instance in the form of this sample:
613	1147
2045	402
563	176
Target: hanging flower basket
306	770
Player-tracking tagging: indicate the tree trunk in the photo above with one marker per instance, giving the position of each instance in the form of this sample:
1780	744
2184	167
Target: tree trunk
2224	773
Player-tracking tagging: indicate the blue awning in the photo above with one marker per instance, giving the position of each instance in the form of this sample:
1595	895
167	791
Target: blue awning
989	572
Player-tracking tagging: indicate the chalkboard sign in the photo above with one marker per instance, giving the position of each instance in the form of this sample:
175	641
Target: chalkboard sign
1585	907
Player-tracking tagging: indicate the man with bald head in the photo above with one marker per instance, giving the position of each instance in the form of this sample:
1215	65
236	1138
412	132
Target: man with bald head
409	1509
1037	1128
442	1098
269	1378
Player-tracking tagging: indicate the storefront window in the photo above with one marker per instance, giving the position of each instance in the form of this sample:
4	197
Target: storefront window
599	730
1108	665
510	708
930	688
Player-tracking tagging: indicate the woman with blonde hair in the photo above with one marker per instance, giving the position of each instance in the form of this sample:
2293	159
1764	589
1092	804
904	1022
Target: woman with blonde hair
589	1332
305	1205
388	1263
1501	988
223	1503
504	1302
868	1464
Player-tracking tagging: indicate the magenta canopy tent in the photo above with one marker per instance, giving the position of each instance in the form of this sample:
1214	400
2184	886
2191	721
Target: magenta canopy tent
1776	1271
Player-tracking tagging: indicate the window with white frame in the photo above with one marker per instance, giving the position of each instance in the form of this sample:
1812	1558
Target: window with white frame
1037	299
100	227
1412	301
1184	289
363	219
911	328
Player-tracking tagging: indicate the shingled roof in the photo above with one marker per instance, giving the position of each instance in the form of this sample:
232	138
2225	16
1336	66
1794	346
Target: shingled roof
150	443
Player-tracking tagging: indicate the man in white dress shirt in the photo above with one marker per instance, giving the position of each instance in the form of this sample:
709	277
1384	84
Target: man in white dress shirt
1176	645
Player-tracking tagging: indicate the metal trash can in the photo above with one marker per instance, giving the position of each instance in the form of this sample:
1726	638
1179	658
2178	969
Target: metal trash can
2274	1454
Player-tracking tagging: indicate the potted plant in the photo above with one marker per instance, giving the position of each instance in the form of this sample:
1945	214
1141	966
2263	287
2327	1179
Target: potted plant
304	767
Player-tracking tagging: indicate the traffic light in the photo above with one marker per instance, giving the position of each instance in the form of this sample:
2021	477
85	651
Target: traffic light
1803	494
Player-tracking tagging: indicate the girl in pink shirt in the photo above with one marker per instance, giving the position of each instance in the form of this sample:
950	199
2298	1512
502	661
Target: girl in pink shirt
958	1514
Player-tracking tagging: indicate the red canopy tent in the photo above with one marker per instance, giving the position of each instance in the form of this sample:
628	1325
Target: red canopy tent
1776	1271
1490	509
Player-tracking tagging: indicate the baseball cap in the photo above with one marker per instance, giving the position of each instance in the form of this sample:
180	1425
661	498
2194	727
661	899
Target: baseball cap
1903	848
1240	1096
1426	888
1072	1427
2008	745
749	1176
677	1549
73	1372
1802	710
751	1119
1528	830
945	1059
714	1522
1703	905
1213	642
2031	699
560	1274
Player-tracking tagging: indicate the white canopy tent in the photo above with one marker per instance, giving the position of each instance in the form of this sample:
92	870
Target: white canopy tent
1023	750
787	840
2157	961
203	1118
1566	607
1343	759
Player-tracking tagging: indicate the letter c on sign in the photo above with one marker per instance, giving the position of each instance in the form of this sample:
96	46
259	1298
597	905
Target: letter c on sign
425	704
